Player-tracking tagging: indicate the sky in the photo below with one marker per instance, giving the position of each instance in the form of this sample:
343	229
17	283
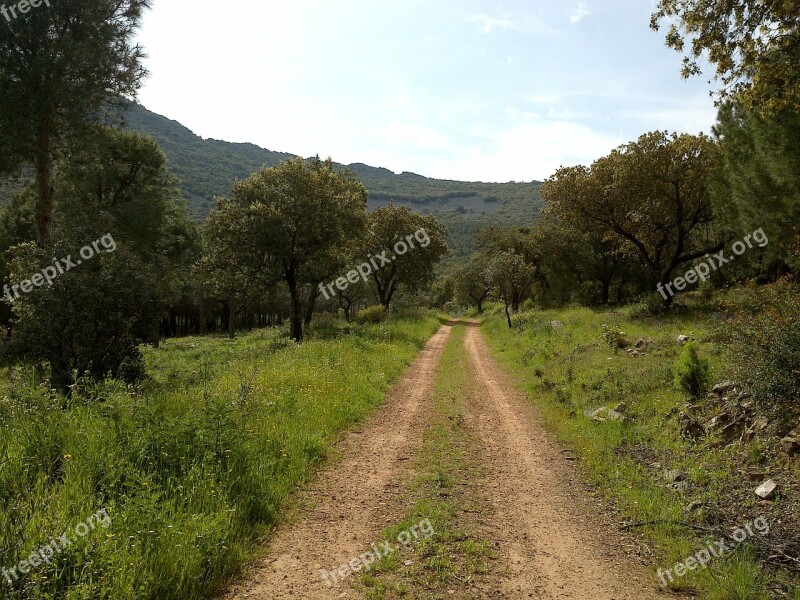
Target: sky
471	90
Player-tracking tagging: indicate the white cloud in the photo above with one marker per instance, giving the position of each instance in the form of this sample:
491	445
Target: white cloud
492	23
579	13
532	150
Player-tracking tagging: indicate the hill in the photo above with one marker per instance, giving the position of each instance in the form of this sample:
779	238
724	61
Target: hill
208	168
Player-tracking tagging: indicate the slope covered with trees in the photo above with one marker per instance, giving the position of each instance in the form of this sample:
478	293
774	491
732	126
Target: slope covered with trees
208	168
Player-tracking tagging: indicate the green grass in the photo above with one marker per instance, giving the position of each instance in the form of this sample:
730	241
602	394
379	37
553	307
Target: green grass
444	491
570	369
193	467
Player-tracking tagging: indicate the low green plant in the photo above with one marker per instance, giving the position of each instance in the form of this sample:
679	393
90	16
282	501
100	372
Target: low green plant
372	314
614	337
692	374
765	343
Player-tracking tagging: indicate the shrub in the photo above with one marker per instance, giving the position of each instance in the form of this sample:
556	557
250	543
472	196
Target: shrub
764	340
614	337
692	373
373	315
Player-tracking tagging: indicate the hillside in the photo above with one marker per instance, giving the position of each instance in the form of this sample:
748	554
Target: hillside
208	168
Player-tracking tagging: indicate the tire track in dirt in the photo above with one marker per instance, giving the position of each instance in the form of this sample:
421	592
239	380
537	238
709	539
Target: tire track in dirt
553	542
352	498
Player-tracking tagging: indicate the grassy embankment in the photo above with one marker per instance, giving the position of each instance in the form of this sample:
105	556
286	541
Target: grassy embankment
568	368
193	467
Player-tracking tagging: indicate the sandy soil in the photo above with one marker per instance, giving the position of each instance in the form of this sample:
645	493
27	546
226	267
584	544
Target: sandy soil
352	500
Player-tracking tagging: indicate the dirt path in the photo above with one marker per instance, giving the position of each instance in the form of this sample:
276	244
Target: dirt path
551	540
554	542
352	501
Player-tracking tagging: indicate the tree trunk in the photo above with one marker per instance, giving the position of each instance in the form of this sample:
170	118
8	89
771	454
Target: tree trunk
604	295
312	301
508	316
231	319
297	316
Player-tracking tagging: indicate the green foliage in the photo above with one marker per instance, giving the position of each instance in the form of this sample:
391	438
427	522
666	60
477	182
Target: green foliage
650	197
756	184
295	220
486	203
471	282
753	45
765	344
424	240
118	195
614	337
692	374
372	314
60	67
192	467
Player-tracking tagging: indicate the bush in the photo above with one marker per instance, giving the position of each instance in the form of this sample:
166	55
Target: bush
373	315
765	345
614	337
692	373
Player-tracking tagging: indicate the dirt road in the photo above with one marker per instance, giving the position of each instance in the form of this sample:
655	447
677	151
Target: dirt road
554	544
352	500
551	542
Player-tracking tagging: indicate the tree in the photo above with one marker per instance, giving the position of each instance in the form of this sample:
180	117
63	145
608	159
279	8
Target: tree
238	264
304	214
406	246
120	231
510	278
755	45
60	67
756	180
652	194
472	282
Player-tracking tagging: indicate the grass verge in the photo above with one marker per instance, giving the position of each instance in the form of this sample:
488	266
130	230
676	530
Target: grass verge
566	366
192	467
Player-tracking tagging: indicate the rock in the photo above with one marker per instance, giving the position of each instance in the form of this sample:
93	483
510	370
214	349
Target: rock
683	339
674	476
597	414
791	443
723	388
556	324
694	506
717	422
767	490
731	431
679	486
761	424
613	415
621	408
691	427
641	343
